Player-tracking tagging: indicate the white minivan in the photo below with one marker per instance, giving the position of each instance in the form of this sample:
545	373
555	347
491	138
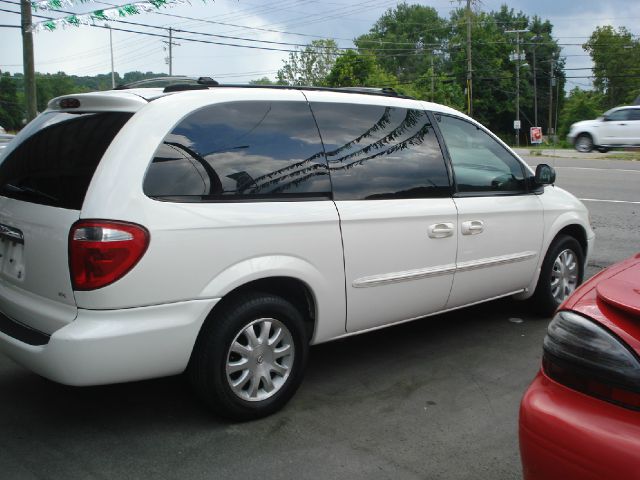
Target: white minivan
222	230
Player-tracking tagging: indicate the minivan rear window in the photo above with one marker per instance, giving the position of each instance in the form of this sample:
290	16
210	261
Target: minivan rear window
60	151
241	151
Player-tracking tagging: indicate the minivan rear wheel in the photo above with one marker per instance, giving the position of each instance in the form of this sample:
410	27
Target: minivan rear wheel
250	356
562	272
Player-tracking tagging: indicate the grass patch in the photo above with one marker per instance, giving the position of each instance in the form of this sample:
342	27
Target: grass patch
631	156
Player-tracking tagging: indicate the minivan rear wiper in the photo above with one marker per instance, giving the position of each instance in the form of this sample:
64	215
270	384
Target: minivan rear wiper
10	187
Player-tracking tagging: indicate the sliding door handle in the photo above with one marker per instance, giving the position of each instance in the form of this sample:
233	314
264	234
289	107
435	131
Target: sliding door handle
441	230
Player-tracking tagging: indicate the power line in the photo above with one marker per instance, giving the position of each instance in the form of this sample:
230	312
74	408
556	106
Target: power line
144	25
289	44
337	13
213	22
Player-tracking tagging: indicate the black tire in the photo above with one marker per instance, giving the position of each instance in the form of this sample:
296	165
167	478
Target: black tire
212	352
584	143
544	300
603	149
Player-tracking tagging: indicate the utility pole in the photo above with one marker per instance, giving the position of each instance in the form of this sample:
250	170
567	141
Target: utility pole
433	80
550	130
113	76
535	83
170	51
469	66
517	59
170	44
28	62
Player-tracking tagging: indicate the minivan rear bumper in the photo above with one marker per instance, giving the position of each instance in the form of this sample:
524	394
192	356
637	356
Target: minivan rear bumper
113	346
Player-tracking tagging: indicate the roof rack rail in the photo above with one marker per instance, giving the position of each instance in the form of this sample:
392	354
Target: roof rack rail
183	83
170	81
384	91
374	90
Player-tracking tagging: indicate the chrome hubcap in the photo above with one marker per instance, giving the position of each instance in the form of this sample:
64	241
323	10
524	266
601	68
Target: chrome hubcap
583	144
259	360
564	275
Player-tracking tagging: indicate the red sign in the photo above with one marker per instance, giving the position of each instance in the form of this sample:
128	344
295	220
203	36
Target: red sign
536	135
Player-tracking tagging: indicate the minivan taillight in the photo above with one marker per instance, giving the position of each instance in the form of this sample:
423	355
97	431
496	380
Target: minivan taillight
101	252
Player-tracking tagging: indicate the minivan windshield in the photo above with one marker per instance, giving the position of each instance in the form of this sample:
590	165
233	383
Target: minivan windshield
56	156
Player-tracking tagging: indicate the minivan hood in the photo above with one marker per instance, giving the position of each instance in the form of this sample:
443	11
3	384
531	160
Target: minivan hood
585	123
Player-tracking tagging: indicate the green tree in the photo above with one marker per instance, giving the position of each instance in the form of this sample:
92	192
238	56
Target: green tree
616	64
353	69
262	81
11	110
580	105
494	88
404	38
494	66
136	76
309	66
49	86
439	88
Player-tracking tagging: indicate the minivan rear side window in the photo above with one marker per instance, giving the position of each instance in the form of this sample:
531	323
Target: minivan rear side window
377	152
59	153
240	151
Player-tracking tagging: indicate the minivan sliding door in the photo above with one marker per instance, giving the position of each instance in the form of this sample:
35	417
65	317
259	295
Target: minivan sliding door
398	220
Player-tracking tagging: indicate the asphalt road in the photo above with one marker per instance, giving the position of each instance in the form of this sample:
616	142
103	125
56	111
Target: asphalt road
434	399
611	191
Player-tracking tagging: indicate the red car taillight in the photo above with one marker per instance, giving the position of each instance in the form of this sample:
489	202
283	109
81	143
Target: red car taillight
101	252
583	355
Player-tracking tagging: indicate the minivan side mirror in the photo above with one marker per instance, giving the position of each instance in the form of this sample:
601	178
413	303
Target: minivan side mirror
545	174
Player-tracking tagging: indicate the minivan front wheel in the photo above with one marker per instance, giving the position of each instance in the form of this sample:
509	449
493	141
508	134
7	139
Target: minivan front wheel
250	356
562	272
584	143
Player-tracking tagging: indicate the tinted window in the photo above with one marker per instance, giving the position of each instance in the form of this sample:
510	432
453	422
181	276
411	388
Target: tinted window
619	115
635	114
480	163
376	152
57	159
241	150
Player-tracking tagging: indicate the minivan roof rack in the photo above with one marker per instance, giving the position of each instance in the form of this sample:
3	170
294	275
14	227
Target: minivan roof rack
384	91
182	83
171	81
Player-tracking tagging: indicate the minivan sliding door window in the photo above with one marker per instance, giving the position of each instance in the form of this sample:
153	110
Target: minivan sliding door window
377	152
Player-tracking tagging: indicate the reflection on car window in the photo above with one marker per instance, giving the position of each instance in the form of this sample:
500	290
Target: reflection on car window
241	150
635	114
480	163
619	115
377	152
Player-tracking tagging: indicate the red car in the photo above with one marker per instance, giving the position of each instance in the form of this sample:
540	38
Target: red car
580	418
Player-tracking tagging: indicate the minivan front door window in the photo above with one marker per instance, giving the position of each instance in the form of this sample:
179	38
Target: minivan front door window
480	163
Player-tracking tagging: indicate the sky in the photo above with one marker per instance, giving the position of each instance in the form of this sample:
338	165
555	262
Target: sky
85	50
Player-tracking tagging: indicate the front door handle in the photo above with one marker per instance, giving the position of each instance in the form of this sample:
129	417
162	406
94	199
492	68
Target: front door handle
441	230
472	227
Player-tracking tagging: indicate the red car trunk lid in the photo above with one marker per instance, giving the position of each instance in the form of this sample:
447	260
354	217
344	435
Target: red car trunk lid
622	290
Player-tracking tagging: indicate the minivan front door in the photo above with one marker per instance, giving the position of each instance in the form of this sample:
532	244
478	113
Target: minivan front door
617	129
398	220
500	222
